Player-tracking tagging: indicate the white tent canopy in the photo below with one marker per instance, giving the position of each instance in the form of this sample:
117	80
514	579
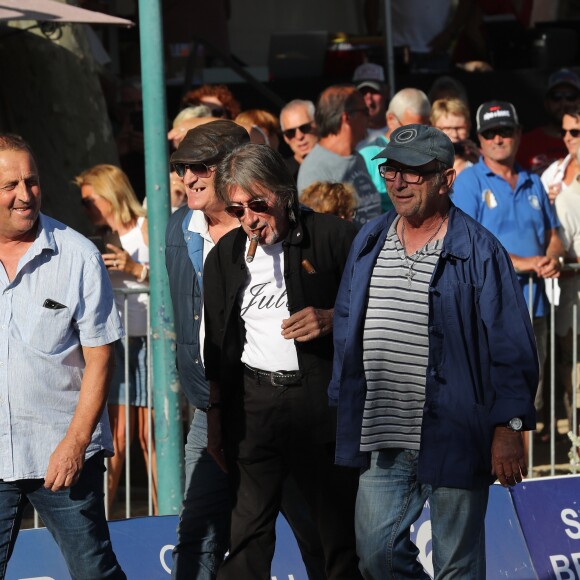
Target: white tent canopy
53	11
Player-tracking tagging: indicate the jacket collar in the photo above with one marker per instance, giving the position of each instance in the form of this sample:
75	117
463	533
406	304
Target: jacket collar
457	239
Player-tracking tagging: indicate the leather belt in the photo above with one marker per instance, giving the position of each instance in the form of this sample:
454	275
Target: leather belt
275	378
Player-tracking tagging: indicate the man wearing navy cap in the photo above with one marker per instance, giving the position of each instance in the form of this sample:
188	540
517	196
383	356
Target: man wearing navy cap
435	368
512	204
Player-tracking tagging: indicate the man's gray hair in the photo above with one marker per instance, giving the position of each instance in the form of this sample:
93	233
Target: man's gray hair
295	104
410	99
257	169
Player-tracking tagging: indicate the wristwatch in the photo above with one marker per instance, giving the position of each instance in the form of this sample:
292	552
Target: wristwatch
515	424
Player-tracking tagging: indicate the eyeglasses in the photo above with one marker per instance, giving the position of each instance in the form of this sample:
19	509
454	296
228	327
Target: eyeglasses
503	132
461	129
362	110
389	173
256	205
198	169
564	96
305	129
574	133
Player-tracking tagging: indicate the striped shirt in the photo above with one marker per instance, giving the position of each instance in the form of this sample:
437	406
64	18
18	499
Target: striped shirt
41	360
396	345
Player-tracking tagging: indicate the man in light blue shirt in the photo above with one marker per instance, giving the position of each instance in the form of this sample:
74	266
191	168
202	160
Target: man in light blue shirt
57	324
512	204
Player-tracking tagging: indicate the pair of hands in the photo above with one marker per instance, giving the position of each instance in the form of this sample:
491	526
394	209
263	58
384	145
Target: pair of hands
120	260
543	266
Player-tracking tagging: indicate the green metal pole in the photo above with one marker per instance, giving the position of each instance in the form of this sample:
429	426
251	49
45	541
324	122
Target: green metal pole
168	431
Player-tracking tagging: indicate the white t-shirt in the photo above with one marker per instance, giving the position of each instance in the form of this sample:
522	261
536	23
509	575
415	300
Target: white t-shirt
555	172
198	224
133	243
568	209
264	305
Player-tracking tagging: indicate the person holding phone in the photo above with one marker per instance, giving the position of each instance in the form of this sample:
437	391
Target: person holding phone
111	202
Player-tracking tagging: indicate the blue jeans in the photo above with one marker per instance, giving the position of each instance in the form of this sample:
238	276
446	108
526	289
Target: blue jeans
75	517
389	501
204	522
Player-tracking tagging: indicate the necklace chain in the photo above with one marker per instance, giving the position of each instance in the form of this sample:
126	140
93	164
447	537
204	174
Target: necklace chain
408	260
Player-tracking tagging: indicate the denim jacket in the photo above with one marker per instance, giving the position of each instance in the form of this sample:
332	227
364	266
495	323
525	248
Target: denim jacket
184	261
482	367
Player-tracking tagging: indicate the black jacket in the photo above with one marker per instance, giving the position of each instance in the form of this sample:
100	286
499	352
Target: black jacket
325	242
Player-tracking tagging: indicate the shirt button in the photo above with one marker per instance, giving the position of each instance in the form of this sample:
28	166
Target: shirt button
196	317
196	361
4	327
1	364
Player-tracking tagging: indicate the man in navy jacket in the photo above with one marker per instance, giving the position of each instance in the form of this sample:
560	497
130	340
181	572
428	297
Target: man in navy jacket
435	368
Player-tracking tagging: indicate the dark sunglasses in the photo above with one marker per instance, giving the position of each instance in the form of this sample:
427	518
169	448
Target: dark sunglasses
198	169
256	205
503	132
573	132
305	129
563	96
217	112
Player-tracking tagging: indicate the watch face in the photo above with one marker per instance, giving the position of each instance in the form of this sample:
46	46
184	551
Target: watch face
516	424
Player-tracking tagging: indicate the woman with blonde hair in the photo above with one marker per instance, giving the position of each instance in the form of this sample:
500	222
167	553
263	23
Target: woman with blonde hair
111	203
337	199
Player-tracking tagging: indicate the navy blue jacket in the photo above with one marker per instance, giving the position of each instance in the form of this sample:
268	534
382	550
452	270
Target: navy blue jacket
482	368
184	261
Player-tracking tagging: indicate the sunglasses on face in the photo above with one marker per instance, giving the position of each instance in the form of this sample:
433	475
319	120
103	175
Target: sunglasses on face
389	173
305	129
573	132
563	96
503	132
256	205
198	169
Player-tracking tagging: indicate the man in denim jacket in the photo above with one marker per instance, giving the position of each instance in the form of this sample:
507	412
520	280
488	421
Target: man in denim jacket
435	368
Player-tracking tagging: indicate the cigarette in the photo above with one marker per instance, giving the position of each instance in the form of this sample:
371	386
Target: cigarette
308	267
252	248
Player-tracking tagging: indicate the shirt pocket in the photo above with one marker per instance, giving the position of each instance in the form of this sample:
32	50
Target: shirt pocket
459	304
48	329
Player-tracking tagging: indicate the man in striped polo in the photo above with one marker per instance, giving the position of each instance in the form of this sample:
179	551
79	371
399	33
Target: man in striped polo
435	368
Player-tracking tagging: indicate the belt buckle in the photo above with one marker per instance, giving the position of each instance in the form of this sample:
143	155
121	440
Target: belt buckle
274	375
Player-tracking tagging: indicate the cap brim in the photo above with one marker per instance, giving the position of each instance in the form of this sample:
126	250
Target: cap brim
372	84
406	156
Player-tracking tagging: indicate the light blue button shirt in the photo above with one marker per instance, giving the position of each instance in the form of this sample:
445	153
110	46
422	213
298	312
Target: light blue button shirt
41	360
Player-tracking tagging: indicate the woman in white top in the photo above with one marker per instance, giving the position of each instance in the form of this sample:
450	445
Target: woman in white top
111	202
561	173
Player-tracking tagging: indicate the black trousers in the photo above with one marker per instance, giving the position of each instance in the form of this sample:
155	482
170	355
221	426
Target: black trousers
270	434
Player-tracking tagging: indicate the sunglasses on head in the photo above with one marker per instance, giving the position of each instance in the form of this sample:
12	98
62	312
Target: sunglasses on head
256	205
573	132
198	169
304	129
564	96
503	132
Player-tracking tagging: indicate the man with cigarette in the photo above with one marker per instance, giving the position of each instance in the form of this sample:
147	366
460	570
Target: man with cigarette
192	231
268	357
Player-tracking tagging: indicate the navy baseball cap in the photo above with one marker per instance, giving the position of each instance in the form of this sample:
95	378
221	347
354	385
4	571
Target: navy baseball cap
416	145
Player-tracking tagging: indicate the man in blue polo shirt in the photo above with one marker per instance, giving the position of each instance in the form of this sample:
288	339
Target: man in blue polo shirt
513	205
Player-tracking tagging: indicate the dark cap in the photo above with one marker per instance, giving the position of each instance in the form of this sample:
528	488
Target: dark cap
415	145
210	143
496	114
563	77
369	75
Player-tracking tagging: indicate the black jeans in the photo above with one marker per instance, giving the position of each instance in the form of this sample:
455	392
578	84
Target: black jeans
269	435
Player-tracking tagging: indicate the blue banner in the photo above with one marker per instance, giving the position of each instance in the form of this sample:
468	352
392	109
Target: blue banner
548	510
